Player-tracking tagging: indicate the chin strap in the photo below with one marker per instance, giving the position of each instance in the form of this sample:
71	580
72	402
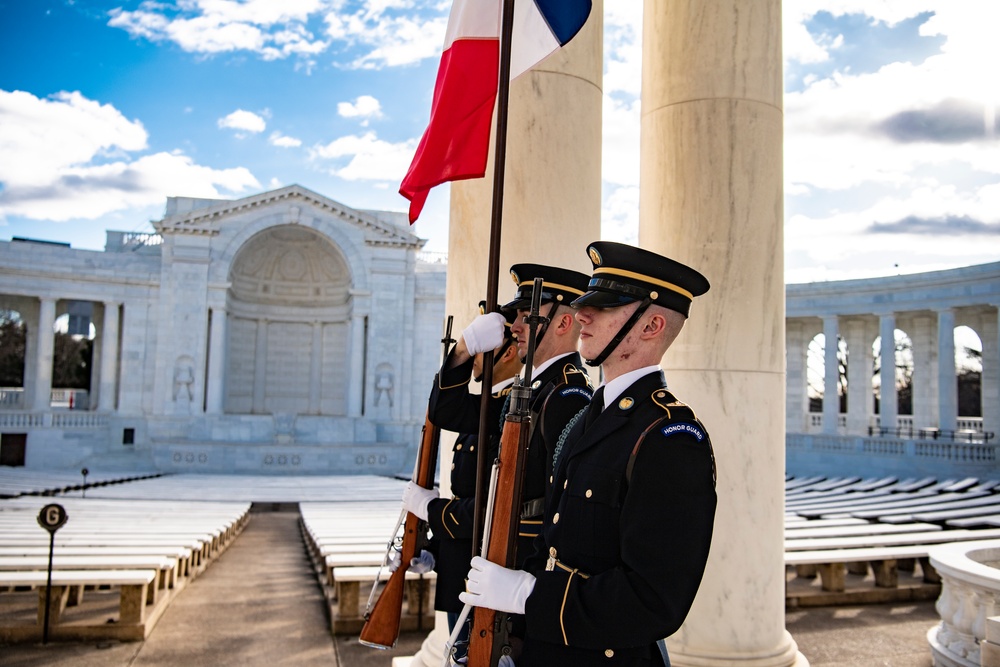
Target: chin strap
620	336
544	325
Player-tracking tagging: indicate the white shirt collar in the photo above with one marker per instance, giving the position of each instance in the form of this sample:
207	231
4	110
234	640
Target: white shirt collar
505	383
615	388
537	370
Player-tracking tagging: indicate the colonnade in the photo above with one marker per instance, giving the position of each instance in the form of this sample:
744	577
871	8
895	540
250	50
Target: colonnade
927	308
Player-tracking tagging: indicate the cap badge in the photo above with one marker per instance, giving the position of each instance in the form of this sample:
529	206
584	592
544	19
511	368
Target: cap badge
513	276
595	256
625	403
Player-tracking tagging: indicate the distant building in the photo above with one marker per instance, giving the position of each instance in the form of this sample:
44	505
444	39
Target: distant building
281	332
853	434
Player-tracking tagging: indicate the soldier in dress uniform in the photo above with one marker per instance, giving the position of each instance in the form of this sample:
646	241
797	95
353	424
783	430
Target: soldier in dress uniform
628	524
560	387
454	408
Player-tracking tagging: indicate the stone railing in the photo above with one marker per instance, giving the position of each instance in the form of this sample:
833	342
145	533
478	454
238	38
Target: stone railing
70	419
970	595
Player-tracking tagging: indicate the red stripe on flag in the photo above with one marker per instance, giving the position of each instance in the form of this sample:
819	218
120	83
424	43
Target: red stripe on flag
456	142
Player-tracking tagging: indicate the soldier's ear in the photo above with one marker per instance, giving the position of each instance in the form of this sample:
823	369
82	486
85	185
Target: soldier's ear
655	325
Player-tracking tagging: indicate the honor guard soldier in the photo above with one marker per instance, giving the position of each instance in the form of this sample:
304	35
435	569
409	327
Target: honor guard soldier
452	407
628	523
560	387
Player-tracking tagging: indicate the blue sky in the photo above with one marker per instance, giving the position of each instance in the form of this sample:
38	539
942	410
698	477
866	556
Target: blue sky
106	108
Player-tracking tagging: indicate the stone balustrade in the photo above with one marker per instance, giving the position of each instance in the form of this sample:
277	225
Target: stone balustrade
970	598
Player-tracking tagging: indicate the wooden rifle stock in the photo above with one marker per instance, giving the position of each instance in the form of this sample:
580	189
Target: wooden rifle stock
489	638
381	629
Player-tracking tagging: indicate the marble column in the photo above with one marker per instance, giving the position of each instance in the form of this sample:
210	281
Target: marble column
924	389
42	400
711	196
316	368
356	381
947	380
552	195
216	390
260	369
107	394
859	355
888	406
989	334
796	399
831	372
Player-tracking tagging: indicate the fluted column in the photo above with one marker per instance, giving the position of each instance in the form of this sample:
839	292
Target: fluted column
316	368
947	383
107	394
831	371
355	396
859	355
990	337
924	384
217	361
796	399
260	368
42	399
888	402
711	196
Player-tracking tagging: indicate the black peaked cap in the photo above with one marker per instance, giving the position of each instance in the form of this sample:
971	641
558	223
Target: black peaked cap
558	285
624	273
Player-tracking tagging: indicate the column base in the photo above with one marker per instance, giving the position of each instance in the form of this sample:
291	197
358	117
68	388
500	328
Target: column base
786	655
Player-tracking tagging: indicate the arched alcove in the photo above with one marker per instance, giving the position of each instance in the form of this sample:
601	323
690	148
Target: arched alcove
289	305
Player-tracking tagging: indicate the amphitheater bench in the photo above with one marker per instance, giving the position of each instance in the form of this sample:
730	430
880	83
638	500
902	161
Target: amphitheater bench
832	563
347	584
165	566
133	609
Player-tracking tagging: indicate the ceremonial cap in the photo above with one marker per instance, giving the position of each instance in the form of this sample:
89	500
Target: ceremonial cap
624	273
558	285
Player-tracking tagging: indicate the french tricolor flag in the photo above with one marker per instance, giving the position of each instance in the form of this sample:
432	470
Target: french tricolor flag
455	144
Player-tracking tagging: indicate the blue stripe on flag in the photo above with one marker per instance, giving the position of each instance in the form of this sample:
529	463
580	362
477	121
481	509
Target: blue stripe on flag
564	17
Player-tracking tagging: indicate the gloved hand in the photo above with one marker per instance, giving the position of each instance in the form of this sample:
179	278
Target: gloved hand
422	563
484	333
494	587
416	499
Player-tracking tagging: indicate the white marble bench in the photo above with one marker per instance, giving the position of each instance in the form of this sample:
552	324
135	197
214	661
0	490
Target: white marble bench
348	582
134	607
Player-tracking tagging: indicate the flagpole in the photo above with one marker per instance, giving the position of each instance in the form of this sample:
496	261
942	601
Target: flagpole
493	269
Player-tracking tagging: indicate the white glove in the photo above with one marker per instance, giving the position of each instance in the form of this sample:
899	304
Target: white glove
485	333
423	563
416	499
494	587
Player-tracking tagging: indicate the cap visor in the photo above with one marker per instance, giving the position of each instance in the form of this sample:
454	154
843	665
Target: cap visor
601	299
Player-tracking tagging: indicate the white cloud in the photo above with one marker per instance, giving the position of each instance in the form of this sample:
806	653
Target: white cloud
367	157
68	157
365	107
39	137
245	121
282	141
388	33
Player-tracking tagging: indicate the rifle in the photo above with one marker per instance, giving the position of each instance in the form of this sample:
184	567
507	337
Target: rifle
381	629
489	637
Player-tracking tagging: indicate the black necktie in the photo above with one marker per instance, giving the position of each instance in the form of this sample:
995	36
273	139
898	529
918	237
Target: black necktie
596	407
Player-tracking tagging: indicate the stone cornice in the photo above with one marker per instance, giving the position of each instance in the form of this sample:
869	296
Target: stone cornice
207	221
